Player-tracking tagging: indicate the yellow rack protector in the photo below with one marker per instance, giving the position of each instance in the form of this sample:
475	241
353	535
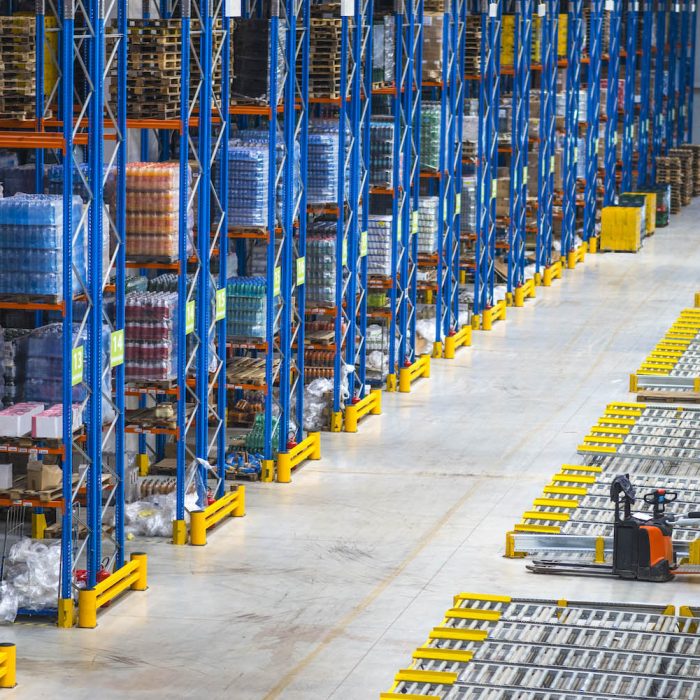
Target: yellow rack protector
482	597
414	675
597	449
566	490
609	430
539	529
556	502
473	614
573	479
438	654
462	635
603	440
545	515
581	468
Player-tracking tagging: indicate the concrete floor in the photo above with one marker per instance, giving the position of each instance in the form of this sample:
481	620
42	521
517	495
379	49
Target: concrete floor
329	583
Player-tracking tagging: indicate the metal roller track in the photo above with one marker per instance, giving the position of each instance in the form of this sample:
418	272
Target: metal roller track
496	647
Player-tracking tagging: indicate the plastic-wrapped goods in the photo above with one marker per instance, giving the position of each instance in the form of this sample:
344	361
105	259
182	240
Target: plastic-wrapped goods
321	264
255	439
248	166
323	162
251	61
581	162
151	336
17	178
430	136
381	153
31	245
428	224
379	245
153	211
432	46
31	576
468	205
246	307
383	41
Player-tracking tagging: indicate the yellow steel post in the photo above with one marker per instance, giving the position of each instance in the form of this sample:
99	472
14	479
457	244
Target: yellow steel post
198	528
697	299
351	419
633	383
547	279
476	322
179	532
66	613
376	410
599	550
87	608
405	380
437	348
9	677
391	382
316	454
449	348
593	244
284	468
520	296
509	299
239	510
336	421
142	583
487	322
694	552
268	470
142	464
38	525
538	279
426	366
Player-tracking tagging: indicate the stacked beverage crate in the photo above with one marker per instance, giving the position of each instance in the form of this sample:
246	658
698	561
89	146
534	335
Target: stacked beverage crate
430	136
428	225
31	245
381	153
379	245
321	263
322	178
151	336
153	211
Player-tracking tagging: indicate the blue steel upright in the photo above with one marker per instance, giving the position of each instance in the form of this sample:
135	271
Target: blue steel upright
611	106
520	132
629	135
659	115
683	72
647	103
593	121
574	49
672	90
691	64
489	89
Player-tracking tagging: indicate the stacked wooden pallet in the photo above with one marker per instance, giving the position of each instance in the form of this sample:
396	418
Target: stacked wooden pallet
695	150
687	173
472	52
17	67
154	69
325	63
668	171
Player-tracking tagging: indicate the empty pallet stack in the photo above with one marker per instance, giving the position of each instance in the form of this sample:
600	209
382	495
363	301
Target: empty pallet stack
668	171
695	150
325	64
154	69
685	157
17	67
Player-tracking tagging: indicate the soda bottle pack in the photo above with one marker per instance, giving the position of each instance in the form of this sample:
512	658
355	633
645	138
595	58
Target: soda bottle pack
246	307
31	245
379	245
320	264
428	224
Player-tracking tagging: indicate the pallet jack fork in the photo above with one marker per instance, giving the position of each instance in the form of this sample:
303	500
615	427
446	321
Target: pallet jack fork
642	548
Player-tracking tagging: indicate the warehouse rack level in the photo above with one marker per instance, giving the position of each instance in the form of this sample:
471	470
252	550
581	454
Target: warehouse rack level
671	372
501	647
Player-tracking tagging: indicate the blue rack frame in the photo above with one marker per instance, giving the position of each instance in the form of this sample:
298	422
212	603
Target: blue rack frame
487	160
574	47
517	228
629	127
593	75
549	17
614	8
646	105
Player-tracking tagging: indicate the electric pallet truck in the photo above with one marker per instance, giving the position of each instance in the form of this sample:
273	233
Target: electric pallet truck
642	548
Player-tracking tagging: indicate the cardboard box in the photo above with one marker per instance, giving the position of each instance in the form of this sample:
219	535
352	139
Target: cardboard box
5	476
43	477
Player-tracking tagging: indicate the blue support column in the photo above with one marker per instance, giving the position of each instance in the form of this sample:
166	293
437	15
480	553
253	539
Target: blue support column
66	87
672	94
691	64
683	72
40	49
647	102
611	108
520	145
629	131
489	90
570	154
658	121
593	121
549	18
94	325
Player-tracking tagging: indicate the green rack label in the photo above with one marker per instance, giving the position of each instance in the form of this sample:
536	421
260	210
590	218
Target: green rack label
189	318
575	154
277	282
77	364
525	171
116	348
344	251
363	244
552	160
458	203
221	304
301	271
596	145
414	222
494	189
398	229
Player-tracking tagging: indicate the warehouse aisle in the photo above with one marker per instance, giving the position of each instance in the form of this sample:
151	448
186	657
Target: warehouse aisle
330	582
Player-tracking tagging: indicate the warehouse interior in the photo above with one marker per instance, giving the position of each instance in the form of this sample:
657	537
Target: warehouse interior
349	350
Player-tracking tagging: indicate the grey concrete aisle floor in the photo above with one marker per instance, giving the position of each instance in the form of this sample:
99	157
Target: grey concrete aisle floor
329	583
